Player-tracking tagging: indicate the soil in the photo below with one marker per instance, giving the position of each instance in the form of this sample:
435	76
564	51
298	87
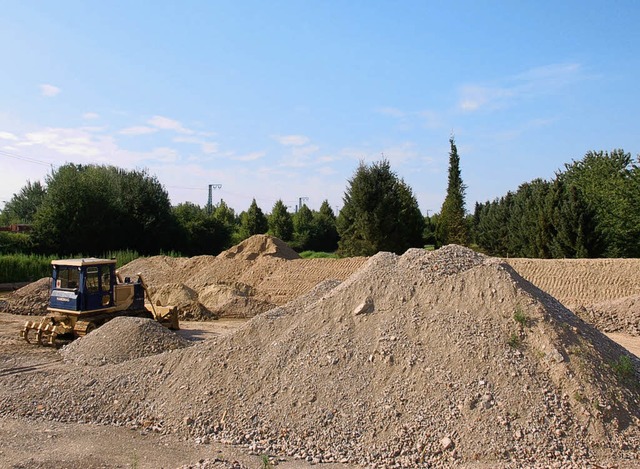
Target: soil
420	360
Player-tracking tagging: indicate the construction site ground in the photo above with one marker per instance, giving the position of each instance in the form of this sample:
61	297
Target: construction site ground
27	444
290	380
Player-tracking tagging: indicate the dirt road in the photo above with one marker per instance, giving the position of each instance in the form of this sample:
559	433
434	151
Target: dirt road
27	444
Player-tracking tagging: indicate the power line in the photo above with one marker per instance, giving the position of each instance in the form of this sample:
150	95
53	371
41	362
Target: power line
187	188
28	159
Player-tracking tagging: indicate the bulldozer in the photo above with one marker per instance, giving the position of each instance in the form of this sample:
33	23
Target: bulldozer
85	294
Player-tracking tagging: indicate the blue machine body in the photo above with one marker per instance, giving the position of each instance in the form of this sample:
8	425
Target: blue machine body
88	285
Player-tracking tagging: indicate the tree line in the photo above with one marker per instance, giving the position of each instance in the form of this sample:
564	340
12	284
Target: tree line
589	209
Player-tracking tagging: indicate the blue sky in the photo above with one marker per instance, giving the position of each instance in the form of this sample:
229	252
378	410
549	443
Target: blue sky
282	99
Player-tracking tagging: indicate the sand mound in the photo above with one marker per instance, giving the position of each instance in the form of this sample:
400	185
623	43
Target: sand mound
122	339
258	246
156	270
621	315
31	299
428	359
232	301
183	298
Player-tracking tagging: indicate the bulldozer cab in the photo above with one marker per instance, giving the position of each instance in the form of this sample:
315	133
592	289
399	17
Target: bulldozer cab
82	284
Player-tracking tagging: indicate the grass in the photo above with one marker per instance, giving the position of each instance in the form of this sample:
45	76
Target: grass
318	255
24	267
514	341
266	462
579	397
623	368
520	317
31	267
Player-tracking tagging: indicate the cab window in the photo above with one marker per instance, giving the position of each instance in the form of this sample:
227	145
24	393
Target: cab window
92	279
68	277
106	278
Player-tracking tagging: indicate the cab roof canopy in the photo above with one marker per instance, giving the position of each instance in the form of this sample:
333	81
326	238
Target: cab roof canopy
82	262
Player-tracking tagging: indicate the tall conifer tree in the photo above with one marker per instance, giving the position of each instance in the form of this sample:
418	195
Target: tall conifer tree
452	227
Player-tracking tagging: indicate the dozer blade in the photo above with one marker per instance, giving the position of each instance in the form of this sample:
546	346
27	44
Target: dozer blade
167	316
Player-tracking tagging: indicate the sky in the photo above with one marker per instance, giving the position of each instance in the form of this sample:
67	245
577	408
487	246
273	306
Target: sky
283	99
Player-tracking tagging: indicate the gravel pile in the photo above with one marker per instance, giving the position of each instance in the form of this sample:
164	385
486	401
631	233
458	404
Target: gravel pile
422	360
31	299
122	339
621	315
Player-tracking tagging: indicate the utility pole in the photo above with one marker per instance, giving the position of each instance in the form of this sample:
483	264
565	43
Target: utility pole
210	201
301	200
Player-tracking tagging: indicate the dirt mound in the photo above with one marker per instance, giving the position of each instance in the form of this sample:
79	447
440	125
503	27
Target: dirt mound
258	246
621	315
581	282
184	299
31	299
156	270
428	359
122	339
232	301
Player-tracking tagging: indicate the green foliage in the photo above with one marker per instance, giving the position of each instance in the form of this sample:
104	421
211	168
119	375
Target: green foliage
93	209
302	228
266	462
380	213
23	206
318	255
610	184
520	317
31	267
13	243
590	210
324	233
315	230
452	227
226	216
574	229
514	341
198	231
24	267
280	222
252	222
623	368
430	229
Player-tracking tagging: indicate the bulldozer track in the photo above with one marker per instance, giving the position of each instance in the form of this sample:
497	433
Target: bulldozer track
18	370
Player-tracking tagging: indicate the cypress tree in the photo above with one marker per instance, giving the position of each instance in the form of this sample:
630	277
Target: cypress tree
452	227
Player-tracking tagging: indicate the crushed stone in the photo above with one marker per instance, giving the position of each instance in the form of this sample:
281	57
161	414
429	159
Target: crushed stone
122	339
457	361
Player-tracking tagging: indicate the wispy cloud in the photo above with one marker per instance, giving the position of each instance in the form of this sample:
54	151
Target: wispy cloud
8	136
291	140
91	116
207	147
408	120
474	97
138	130
49	90
530	125
253	156
165	123
533	82
89	146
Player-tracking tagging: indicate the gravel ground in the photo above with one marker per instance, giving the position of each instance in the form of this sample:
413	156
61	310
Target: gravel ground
421	360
